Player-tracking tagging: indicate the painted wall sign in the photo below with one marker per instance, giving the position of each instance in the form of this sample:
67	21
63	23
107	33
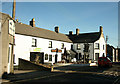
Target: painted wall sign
37	49
11	27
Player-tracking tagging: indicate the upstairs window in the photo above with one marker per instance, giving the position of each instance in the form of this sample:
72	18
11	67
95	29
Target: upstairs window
96	45
34	42
62	46
103	47
78	47
50	44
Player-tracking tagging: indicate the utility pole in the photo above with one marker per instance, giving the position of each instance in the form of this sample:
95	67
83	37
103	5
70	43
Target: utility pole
106	44
12	60
13	12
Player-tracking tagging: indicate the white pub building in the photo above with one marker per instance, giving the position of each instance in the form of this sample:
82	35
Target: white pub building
31	41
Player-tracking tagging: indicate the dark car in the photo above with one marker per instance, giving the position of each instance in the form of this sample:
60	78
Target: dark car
104	61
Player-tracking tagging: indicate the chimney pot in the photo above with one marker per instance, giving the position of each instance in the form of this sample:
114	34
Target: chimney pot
101	29
70	32
57	29
32	22
77	31
16	20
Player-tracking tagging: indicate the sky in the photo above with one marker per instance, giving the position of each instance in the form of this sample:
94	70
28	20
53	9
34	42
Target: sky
87	16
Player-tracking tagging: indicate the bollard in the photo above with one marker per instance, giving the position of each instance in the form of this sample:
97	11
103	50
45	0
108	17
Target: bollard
52	67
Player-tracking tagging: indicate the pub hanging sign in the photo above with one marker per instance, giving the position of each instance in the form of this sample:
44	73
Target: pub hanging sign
56	50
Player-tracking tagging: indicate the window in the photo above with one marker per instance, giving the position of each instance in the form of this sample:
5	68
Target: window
96	56
34	42
103	47
96	45
46	56
86	47
78	46
14	58
103	55
50	44
62	46
50	57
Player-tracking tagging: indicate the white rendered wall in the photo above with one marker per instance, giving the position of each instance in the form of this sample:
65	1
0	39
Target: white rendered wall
23	47
101	42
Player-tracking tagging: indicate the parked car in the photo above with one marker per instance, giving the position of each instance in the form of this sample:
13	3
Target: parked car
104	61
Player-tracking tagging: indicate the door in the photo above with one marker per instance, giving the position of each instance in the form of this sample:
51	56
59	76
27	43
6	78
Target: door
80	57
9	58
37	56
41	58
56	58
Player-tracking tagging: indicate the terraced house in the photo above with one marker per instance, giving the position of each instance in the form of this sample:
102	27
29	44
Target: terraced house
7	32
88	46
44	46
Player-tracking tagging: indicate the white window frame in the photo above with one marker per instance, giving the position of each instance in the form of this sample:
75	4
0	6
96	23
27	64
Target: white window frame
62	45
49	57
50	44
34	42
97	46
78	47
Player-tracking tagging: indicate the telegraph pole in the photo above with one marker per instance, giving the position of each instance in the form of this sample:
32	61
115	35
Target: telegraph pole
12	60
106	44
13	12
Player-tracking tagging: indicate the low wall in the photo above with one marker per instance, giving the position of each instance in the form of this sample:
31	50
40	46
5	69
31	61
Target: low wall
27	65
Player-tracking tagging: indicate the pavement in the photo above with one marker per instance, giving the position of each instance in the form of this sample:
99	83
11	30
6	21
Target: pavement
20	75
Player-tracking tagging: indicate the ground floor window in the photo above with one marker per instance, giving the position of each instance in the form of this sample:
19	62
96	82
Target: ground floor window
103	55
50	57
46	56
96	56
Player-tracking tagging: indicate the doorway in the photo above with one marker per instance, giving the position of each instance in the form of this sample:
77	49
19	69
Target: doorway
37	57
9	58
56	58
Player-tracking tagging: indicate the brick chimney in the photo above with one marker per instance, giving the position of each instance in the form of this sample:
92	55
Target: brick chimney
70	32
16	20
57	29
101	29
32	22
77	31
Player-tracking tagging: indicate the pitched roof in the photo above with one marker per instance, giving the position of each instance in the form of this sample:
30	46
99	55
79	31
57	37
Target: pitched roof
5	16
85	37
28	30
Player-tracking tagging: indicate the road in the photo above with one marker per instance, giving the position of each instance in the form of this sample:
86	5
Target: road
73	74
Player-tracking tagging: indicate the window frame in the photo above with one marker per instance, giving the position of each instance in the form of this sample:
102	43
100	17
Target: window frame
98	56
34	42
49	57
62	45
50	44
98	46
78	47
46	57
103	47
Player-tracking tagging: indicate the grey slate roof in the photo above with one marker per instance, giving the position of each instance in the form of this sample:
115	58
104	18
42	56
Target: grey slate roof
28	30
85	37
